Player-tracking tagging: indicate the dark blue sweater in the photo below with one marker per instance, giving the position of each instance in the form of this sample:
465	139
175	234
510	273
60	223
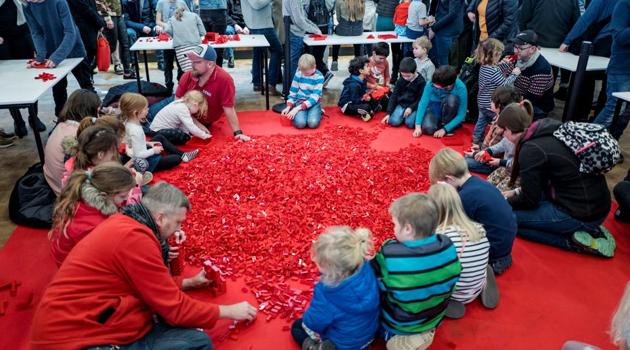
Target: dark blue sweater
449	17
484	204
620	27
54	33
597	11
353	90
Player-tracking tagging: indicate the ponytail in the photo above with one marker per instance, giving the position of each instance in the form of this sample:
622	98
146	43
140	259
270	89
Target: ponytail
65	207
91	142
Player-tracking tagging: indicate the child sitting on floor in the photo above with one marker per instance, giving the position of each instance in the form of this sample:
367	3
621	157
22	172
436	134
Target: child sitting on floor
472	248
354	99
134	108
482	202
378	79
176	121
415	268
425	67
306	91
90	197
344	311
443	104
407	92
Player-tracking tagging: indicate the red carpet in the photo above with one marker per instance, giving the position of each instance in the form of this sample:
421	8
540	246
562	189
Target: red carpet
547	297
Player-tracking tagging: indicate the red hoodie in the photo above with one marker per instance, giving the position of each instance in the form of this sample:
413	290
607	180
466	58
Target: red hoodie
116	270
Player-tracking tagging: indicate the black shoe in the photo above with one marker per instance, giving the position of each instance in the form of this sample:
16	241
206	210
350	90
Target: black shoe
561	94
501	265
39	125
231	62
130	75
6	135
327	78
20	129
161	66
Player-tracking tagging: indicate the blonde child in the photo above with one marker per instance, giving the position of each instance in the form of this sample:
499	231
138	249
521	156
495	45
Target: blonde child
177	120
337	317
134	109
186	28
90	197
303	105
424	65
472	247
488	54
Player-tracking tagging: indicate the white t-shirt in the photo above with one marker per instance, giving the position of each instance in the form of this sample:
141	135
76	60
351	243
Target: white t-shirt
136	141
176	115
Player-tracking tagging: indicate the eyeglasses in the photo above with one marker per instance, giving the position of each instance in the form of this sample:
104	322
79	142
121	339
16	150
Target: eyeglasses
522	47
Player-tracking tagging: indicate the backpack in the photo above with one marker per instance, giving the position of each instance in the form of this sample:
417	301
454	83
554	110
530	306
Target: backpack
596	149
469	75
318	13
32	200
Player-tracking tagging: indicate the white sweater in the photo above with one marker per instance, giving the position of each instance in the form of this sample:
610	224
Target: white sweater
177	116
136	141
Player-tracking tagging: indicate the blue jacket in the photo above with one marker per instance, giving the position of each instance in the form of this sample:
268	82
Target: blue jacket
140	13
432	94
449	17
54	33
620	27
597	11
353	90
346	314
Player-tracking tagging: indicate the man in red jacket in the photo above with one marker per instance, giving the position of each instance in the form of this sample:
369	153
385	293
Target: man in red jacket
115	282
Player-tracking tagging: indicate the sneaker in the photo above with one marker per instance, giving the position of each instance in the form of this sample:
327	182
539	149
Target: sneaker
7	142
188	156
5	134
130	75
20	129
343	109
561	94
312	344
231	62
490	292
455	309
327	78
39	125
411	342
118	69
334	66
501	265
147	177
603	246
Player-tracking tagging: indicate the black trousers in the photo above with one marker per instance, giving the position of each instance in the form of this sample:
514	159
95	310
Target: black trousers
318	53
215	21
357	51
118	35
167	145
169	61
175	136
82	73
369	106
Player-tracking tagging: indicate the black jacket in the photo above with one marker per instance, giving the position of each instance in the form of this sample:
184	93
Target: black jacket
386	8
406	94
501	18
353	90
548	167
550	19
88	21
235	14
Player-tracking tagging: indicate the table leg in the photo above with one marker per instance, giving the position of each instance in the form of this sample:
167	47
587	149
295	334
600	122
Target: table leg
137	66
146	65
576	82
616	113
264	77
32	115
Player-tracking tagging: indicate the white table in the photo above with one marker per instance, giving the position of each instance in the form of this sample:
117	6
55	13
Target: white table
621	98
571	62
145	44
335	39
22	90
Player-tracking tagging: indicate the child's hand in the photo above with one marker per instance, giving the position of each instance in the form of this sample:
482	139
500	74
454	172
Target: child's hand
439	134
495	162
431	34
407	112
478	156
385	119
418	131
516	71
285	111
158	149
293	112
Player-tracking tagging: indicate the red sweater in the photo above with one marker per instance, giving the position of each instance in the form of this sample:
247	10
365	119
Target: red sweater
116	269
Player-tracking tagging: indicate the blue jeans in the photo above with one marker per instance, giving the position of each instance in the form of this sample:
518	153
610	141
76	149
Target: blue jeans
396	118
297	43
485	118
615	83
479	167
440	113
229	30
275	48
441	47
310	117
548	224
165	337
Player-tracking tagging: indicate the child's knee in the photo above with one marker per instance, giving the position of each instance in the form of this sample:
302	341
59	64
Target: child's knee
451	102
299	123
313	123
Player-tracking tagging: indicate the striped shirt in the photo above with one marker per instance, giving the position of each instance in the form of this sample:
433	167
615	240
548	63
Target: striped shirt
474	258
416	279
490	78
306	90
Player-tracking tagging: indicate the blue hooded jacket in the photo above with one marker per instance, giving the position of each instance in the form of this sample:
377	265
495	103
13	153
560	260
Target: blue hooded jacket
346	314
353	90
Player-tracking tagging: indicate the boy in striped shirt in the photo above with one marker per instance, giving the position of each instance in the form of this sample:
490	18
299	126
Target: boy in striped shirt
417	273
306	90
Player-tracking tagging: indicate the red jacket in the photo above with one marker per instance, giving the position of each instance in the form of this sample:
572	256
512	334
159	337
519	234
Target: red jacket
83	222
117	270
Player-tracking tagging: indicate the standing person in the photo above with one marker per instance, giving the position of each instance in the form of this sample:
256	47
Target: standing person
258	17
300	25
165	9
214	15
550	19
16	43
116	34
139	18
493	19
449	22
186	28
56	38
320	13
385	22
116	279
417	20
236	25
89	23
349	14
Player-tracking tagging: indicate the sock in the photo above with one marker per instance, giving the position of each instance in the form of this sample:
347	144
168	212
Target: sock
188	156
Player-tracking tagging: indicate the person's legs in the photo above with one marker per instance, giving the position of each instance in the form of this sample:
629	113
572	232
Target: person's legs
169	60
299	121
441	47
396	58
314	116
168	146
298	333
410	120
296	51
335	52
450	107
478	167
485	117
220	28
229	53
123	39
164	337
60	95
276	51
396	118
83	73
318	53
167	162
156	107
432	118
175	136
615	83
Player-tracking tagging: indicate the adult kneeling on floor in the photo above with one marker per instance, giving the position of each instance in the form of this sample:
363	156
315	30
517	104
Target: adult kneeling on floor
557	204
115	282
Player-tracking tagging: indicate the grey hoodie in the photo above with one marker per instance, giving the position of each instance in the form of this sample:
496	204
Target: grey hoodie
257	13
301	24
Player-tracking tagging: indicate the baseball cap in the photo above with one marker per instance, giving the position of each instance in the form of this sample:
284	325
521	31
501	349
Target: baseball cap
526	37
202	52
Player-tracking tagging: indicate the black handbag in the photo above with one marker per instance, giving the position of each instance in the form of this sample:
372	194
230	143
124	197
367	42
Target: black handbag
32	200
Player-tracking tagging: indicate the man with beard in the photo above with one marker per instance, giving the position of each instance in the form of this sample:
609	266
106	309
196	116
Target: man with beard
215	84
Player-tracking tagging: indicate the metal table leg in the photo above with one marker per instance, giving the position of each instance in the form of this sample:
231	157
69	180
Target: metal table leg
264	77
137	66
32	115
146	65
576	82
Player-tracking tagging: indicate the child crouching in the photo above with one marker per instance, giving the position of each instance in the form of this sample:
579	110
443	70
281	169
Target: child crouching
344	311
354	99
407	93
306	90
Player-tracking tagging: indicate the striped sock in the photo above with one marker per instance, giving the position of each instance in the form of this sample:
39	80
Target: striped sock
188	156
